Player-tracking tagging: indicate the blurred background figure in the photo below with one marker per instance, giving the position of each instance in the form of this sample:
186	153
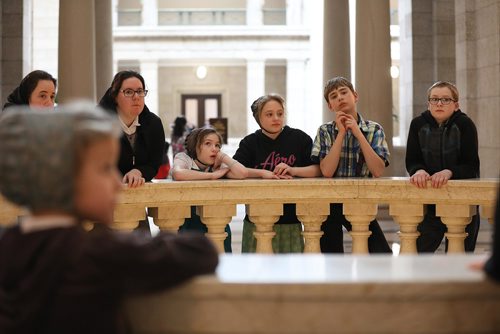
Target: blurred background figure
180	129
37	89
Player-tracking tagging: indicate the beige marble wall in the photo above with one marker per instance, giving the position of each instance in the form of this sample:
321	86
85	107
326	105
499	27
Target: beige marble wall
11	58
275	80
478	74
226	80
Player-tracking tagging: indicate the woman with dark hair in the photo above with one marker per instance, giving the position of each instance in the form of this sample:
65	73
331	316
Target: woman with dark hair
37	89
143	139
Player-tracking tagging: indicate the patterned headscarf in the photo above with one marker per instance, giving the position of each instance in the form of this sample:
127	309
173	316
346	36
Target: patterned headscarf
37	153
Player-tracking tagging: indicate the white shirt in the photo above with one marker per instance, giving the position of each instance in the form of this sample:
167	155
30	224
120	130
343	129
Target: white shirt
129	130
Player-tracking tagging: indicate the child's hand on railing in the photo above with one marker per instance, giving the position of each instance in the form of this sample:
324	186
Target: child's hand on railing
284	171
217	174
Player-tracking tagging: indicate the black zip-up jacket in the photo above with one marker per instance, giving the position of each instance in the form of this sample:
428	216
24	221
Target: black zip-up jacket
453	146
149	145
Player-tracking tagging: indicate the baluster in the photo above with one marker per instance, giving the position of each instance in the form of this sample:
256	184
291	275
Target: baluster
360	215
9	212
126	217
264	216
408	216
170	217
216	217
312	215
455	217
488	212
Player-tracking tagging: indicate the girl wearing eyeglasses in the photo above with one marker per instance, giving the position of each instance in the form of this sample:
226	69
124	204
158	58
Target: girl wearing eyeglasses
442	145
143	139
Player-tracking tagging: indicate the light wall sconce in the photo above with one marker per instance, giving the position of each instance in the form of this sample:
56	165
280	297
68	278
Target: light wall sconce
394	72
201	72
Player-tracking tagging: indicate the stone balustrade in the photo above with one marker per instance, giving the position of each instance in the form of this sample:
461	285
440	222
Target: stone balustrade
313	293
169	203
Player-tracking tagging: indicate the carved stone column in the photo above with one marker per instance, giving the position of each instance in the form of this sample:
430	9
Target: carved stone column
408	216
455	217
488	212
216	217
312	215
360	215
77	67
9	212
264	216
171	217
127	217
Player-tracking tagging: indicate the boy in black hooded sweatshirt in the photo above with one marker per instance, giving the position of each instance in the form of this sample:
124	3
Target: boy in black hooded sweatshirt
442	145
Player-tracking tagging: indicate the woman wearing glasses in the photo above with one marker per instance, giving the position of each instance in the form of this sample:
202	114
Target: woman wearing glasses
442	145
143	137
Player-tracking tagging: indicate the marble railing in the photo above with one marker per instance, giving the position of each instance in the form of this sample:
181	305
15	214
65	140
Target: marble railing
312	293
169	203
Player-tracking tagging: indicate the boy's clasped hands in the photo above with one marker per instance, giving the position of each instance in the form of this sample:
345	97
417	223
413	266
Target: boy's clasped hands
346	122
438	179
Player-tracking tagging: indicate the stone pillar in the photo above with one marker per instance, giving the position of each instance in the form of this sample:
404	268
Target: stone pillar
27	36
103	46
478	74
150	13
312	216
149	70
360	214
443	14
127	217
254	12
408	216
296	111
1	55
11	28
264	216
427	54
373	63
336	44
216	217
256	83
294	10
114	12
170	217
77	50
456	217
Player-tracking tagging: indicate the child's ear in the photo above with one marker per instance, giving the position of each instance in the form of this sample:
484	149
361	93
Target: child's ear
457	106
329	106
355	96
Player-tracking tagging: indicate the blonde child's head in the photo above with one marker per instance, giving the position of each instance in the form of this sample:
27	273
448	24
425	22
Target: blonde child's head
258	105
56	162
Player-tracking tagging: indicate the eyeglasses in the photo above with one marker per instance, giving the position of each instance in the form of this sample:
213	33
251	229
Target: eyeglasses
130	92
444	100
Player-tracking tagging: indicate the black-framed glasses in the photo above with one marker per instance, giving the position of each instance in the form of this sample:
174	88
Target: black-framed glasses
444	100
130	92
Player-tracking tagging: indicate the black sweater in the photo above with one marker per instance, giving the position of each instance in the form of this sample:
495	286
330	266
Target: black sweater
292	146
492	266
65	280
453	146
149	145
